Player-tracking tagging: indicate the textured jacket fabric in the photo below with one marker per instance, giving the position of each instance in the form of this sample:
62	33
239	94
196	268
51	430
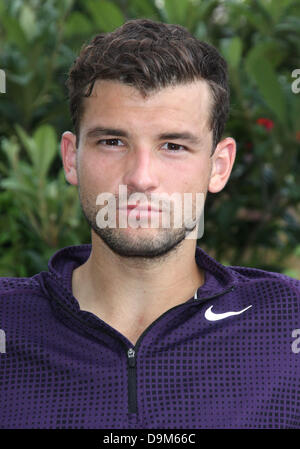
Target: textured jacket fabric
198	365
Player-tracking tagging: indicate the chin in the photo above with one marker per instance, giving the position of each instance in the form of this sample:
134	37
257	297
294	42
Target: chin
141	242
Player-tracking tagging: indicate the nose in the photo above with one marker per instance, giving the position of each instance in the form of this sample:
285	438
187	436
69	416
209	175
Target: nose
141	172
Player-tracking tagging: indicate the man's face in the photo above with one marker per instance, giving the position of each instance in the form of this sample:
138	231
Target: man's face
158	145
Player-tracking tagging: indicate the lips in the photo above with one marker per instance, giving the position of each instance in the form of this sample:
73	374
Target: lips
147	208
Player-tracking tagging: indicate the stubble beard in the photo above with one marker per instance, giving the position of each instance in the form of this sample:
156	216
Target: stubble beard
136	243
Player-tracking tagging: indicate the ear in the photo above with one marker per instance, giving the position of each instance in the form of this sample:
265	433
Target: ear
68	153
222	162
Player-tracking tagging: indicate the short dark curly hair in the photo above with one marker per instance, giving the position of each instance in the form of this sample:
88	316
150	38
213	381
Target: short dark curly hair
150	55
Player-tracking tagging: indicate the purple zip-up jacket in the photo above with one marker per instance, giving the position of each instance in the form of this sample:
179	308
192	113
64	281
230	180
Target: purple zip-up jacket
199	365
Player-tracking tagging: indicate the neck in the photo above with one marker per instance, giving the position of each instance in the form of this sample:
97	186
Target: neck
129	293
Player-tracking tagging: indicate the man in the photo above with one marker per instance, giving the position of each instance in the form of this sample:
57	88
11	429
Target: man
143	329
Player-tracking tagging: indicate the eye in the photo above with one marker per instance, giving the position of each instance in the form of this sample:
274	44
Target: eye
173	147
110	142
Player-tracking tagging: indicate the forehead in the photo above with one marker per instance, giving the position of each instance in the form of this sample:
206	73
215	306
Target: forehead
119	104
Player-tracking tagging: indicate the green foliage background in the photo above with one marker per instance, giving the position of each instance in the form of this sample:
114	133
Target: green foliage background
254	221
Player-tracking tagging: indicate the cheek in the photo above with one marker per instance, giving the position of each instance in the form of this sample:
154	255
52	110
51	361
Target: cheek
202	174
93	175
196	180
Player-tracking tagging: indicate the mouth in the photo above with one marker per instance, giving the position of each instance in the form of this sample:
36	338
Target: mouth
146	208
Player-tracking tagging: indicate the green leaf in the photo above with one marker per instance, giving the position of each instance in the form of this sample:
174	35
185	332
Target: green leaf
294	111
11	148
2	7
22	79
176	11
198	16
46	144
28	21
105	14
276	8
258	20
64	5
290	25
291	273
29	145
262	72
16	185
77	23
231	49
143	8
273	51
14	32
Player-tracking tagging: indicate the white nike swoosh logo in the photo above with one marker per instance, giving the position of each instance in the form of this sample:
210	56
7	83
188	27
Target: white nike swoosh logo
211	316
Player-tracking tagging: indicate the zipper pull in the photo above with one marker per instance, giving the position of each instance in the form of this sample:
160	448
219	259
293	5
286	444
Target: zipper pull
131	357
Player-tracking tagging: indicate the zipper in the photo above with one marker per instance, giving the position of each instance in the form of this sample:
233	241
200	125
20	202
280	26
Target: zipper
131	352
132	390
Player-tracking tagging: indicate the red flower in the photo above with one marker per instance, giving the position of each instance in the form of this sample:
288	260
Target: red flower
298	136
265	122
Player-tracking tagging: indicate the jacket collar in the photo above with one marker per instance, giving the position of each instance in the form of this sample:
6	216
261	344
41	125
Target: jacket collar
218	278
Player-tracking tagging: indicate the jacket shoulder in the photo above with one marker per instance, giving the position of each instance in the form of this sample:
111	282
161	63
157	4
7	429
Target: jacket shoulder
259	277
19	286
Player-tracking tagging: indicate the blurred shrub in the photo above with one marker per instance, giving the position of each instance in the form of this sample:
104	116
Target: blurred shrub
39	213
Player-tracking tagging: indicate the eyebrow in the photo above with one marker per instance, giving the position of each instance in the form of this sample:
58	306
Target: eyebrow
99	131
180	136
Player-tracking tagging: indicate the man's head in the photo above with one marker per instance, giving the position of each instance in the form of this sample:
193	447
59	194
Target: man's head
149	104
149	56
